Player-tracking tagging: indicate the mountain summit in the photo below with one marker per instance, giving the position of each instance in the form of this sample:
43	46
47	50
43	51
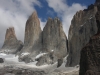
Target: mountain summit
33	37
11	44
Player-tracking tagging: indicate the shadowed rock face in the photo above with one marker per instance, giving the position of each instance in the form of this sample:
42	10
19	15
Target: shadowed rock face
1	60
90	54
33	36
97	1
83	26
11	43
54	41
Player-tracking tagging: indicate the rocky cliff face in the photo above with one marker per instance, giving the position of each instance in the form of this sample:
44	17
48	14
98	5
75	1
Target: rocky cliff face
90	54
54	39
33	36
83	26
11	44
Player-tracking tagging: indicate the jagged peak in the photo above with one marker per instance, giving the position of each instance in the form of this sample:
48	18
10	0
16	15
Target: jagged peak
10	32
56	18
34	13
10	29
78	14
33	18
54	22
49	18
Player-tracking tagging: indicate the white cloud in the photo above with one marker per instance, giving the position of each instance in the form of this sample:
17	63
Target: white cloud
15	13
64	11
19	6
57	5
8	19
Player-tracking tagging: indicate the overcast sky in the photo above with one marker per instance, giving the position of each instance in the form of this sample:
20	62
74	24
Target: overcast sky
16	12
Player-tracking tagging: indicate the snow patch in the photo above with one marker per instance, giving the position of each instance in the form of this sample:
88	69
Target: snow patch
2	54
71	69
64	63
24	54
91	17
12	60
52	50
39	55
9	57
82	24
5	51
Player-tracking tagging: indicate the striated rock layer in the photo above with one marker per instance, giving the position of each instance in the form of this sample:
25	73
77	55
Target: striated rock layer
54	40
83	26
90	54
11	44
33	36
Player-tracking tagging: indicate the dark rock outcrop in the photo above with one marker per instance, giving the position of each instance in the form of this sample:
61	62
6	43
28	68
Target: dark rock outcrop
60	61
83	26
97	2
54	39
33	36
1	60
90	54
11	44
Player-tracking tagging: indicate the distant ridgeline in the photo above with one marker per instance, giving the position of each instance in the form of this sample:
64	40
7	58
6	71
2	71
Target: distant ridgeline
52	41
